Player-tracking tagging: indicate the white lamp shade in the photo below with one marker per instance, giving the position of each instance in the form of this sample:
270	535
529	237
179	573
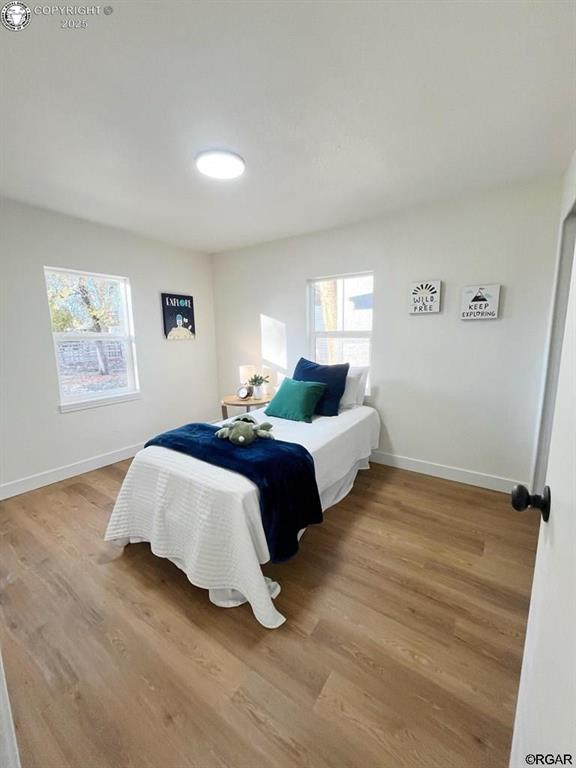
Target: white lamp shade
246	372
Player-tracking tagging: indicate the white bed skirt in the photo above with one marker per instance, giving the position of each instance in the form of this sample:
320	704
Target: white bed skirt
231	597
207	521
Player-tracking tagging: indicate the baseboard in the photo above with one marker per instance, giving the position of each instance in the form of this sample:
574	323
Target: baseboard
9	757
459	475
30	483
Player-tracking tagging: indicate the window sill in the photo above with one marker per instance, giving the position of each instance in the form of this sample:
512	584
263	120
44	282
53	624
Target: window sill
97	402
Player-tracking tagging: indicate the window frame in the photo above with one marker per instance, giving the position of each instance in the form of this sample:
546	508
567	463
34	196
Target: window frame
126	394
313	334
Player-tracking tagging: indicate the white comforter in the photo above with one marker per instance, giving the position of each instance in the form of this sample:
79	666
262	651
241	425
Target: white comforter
207	520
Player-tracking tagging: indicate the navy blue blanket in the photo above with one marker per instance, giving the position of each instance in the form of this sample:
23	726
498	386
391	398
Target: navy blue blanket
283	472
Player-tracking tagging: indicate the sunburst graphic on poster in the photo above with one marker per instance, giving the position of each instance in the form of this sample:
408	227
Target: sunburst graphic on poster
425	297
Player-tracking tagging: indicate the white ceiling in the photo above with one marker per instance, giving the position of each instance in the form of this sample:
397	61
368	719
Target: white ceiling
342	110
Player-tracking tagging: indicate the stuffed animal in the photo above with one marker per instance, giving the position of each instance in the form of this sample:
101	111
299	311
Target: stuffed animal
243	430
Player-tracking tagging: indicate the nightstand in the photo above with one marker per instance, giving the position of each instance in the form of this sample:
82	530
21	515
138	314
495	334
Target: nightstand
248	403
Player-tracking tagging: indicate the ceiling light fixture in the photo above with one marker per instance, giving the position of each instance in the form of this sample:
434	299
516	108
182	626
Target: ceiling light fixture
220	164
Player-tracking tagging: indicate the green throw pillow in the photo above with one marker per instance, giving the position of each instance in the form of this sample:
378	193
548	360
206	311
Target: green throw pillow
296	400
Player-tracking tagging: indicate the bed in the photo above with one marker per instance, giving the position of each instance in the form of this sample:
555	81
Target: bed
206	519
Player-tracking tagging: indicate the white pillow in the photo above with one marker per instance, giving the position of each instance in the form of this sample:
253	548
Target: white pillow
361	391
355	388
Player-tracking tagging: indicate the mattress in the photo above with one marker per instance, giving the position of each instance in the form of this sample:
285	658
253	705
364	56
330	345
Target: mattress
206	519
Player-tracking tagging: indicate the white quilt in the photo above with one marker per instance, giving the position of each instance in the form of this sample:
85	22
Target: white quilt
206	519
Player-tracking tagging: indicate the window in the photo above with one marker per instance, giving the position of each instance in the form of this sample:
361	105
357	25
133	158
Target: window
93	337
341	319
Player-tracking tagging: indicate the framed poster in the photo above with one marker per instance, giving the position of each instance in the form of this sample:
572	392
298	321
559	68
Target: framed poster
178	315
480	302
425	297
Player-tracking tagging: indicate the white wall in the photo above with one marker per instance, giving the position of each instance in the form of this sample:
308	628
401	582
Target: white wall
177	379
452	394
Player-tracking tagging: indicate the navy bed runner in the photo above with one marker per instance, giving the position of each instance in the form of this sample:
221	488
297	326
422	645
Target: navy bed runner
284	473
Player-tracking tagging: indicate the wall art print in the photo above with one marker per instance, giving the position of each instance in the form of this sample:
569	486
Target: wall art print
178	315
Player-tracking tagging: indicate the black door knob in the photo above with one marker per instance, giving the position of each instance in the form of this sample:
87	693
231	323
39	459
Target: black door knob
521	499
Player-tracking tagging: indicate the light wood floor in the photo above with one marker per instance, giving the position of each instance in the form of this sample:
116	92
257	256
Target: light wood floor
406	615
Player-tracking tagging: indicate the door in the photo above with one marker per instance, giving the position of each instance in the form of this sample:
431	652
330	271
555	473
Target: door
546	711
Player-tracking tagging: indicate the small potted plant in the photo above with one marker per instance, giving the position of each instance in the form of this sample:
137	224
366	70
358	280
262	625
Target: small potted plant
257	381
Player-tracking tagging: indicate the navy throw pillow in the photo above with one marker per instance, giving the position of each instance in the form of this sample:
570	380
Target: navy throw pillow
334	376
